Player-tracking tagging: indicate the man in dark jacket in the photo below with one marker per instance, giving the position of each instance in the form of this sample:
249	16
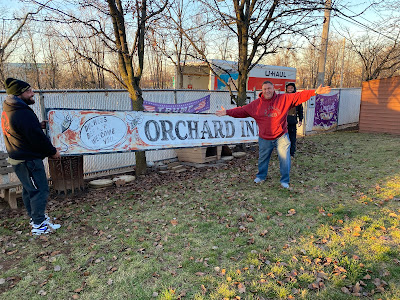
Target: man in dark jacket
294	114
27	146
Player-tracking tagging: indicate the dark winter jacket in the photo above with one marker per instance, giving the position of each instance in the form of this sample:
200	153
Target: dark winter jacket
294	114
23	135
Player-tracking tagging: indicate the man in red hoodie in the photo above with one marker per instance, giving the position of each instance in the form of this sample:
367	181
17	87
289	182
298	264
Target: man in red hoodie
270	112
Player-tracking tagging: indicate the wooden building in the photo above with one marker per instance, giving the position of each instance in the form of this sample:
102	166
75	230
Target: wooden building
380	106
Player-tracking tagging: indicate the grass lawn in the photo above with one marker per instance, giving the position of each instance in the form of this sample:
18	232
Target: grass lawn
214	234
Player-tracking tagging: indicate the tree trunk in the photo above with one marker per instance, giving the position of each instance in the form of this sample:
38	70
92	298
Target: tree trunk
243	63
242	88
135	94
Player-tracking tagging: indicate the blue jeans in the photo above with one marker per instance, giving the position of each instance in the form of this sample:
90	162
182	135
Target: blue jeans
35	190
282	145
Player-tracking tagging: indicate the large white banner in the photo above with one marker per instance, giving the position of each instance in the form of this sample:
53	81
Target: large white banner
93	131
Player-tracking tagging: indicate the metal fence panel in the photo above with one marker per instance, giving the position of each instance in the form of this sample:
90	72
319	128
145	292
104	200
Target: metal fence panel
349	106
119	100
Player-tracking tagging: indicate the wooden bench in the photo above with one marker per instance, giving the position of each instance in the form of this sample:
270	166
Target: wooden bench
10	194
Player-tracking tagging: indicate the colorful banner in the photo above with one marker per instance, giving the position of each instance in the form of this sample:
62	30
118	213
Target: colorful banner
75	132
194	107
326	112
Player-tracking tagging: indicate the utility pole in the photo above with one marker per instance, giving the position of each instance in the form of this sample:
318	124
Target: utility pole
324	44
342	69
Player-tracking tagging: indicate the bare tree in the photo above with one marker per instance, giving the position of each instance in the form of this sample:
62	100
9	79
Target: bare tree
260	27
380	57
112	21
167	38
10	32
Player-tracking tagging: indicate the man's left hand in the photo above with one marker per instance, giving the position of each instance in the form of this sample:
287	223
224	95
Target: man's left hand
43	124
323	90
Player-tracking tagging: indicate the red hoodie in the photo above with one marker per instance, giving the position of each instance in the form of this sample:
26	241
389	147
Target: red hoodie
271	114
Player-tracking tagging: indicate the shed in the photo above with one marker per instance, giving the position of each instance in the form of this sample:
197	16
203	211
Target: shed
380	106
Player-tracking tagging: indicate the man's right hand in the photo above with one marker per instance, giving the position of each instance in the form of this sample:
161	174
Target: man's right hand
221	112
57	155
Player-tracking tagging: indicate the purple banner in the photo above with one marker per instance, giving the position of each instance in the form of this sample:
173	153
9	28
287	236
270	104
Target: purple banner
326	112
196	106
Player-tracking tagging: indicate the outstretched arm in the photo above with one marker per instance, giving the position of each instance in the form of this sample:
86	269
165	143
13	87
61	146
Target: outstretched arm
221	112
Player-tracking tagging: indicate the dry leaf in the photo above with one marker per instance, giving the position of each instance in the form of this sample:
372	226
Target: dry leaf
241	288
203	288
250	241
291	212
313	286
345	290
174	222
357	288
322	275
120	182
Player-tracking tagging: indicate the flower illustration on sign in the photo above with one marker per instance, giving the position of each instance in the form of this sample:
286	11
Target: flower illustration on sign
134	119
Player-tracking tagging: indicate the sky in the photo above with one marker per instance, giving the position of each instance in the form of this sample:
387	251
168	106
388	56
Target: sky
358	25
367	19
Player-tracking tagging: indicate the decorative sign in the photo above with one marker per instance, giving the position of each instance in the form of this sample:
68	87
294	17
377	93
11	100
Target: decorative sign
91	131
196	106
326	112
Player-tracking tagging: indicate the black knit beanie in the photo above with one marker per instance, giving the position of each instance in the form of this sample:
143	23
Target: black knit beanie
293	85
15	86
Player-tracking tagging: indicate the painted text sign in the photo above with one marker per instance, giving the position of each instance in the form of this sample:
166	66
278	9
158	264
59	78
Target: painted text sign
91	131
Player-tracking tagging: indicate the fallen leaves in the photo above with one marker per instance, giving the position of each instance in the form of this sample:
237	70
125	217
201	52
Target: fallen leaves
42	268
241	288
291	212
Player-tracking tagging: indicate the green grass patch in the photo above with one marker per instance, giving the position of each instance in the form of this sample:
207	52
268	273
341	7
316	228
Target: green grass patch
216	235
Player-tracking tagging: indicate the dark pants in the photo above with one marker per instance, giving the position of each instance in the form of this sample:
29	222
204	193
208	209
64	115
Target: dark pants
35	188
292	130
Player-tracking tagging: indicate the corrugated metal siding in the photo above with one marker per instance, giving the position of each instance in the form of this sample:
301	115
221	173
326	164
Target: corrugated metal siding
119	100
380	106
349	108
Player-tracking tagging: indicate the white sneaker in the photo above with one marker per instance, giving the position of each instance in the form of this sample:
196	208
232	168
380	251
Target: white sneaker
47	219
258	180
285	185
40	229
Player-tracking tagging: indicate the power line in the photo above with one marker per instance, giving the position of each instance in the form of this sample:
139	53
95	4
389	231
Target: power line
361	25
353	21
